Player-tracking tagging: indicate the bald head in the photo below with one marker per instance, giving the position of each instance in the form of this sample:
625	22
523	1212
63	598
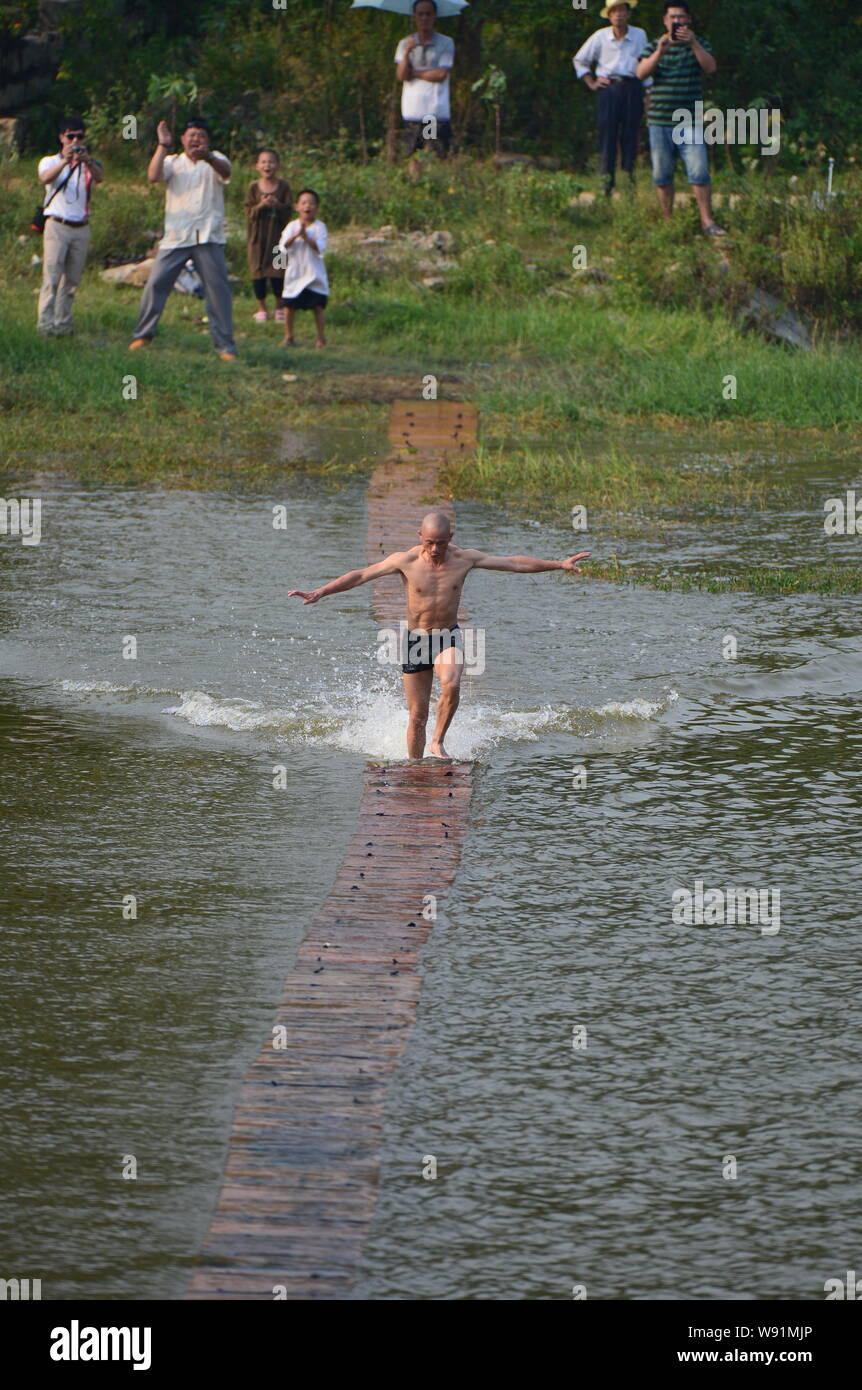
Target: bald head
436	524
435	534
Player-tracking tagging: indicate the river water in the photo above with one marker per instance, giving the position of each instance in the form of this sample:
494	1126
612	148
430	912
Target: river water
588	1073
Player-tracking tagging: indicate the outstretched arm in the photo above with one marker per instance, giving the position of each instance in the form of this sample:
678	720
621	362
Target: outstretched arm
391	565
525	564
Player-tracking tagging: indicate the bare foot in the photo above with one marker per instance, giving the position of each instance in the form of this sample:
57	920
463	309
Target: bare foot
288	342
320	343
436	750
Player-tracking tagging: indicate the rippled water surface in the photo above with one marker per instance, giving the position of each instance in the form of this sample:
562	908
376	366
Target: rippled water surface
600	1164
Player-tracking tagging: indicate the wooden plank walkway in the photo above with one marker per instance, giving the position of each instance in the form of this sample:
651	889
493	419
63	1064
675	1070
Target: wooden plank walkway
423	434
442	427
305	1148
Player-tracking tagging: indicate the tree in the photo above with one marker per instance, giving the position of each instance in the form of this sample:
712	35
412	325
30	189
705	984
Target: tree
174	89
491	88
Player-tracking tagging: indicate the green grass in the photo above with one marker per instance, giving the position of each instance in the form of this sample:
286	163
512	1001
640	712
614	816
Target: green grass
561	373
755	579
589	393
609	478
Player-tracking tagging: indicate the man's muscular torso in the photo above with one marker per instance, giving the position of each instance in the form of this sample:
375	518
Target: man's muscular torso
434	591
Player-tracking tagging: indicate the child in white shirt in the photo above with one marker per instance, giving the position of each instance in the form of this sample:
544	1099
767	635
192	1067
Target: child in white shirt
306	285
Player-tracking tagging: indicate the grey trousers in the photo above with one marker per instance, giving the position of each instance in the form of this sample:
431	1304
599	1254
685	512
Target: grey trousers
209	262
64	255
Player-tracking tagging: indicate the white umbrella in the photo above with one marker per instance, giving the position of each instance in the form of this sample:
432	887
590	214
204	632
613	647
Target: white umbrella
445	8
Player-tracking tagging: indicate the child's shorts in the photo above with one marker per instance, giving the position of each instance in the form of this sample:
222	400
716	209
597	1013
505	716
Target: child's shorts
307	299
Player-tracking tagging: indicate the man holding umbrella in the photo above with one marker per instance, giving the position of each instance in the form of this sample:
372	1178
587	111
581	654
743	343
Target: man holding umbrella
423	64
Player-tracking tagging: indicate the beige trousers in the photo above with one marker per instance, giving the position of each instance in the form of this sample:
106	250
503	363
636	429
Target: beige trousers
64	256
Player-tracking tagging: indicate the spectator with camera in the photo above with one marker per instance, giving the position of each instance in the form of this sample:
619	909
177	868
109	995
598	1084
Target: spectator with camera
676	62
194	230
67	178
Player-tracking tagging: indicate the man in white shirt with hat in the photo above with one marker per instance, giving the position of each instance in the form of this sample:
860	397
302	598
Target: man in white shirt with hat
614	53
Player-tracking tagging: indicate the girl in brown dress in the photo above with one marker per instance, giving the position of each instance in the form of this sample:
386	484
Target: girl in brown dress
267	207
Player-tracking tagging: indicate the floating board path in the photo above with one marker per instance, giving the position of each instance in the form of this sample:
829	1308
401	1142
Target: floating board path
304	1154
423	435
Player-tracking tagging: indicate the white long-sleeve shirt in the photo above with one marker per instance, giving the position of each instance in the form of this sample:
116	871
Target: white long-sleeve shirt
611	56
305	268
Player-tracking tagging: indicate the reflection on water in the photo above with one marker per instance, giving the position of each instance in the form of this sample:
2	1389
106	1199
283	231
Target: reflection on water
153	778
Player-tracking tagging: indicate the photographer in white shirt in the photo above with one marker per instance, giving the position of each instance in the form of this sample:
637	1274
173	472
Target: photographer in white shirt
67	178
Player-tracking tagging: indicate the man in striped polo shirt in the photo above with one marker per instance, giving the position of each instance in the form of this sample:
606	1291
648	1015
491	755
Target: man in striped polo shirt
676	62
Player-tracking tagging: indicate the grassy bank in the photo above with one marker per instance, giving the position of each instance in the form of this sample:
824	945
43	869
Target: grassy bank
612	478
583	380
755	579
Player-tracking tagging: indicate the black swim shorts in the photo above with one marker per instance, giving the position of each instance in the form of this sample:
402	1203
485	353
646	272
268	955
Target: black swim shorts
421	643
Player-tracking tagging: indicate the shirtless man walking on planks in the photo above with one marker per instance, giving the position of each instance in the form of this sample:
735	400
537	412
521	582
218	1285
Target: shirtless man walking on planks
434	572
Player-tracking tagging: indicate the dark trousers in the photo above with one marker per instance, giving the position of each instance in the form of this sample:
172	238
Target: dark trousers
414	137
618	115
259	286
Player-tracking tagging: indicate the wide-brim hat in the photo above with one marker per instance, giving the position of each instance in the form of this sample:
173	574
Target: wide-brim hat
605	13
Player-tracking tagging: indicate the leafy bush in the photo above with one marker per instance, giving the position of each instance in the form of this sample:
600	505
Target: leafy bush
664	263
490	270
809	256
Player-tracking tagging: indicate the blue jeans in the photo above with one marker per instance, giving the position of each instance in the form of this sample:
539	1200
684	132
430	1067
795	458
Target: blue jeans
664	152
